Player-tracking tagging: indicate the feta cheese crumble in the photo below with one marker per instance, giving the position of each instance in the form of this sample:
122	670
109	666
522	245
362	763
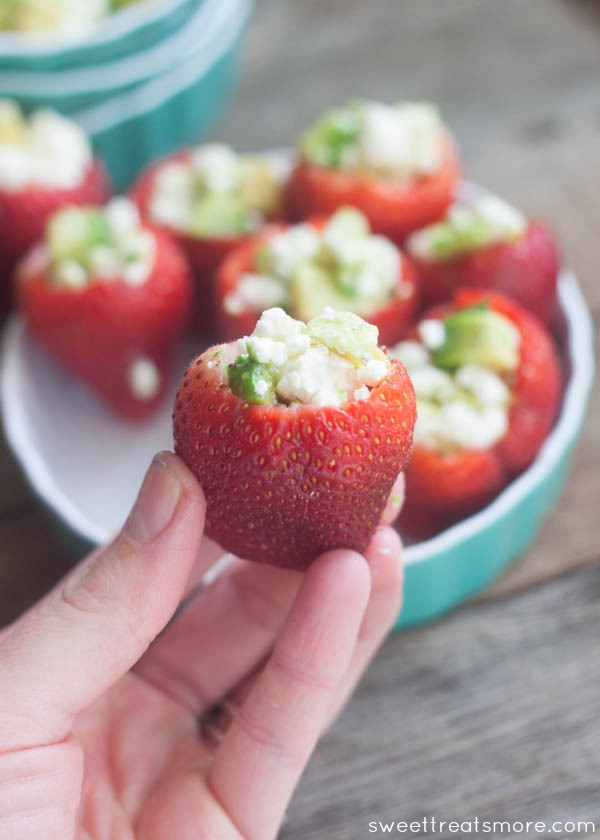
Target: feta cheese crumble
331	360
48	150
143	379
304	269
468	227
466	407
212	191
93	243
402	141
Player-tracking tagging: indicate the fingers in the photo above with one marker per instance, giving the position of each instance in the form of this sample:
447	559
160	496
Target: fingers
275	730
72	646
395	502
385	563
227	630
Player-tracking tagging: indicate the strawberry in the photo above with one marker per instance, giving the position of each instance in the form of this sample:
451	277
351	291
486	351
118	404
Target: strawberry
286	481
350	270
524	266
176	193
115	323
455	471
23	216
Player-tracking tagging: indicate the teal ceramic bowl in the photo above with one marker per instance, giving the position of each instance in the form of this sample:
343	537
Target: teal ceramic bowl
442	572
62	435
123	34
70	91
132	129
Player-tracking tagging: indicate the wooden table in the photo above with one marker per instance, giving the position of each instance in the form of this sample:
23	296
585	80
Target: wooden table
492	712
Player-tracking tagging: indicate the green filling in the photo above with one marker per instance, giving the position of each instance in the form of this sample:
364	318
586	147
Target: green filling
252	381
328	140
478	335
447	240
74	232
344	333
216	214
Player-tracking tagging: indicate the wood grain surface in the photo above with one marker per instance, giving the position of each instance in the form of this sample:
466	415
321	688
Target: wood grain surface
492	712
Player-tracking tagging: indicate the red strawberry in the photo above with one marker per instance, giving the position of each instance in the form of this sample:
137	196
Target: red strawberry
204	253
285	483
23	217
443	487
118	337
525	269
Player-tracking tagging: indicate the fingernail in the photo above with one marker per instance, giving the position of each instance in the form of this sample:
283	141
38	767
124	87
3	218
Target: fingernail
155	504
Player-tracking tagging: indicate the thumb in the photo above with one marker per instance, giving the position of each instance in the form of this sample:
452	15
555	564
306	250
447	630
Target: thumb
68	649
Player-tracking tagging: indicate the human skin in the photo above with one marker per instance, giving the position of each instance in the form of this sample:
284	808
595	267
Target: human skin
99	714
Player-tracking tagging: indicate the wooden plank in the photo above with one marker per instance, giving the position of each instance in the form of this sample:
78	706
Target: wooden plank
493	716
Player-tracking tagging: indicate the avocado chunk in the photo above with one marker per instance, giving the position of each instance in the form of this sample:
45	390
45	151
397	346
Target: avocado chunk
72	233
252	381
345	333
479	335
313	291
259	187
325	142
13	127
219	214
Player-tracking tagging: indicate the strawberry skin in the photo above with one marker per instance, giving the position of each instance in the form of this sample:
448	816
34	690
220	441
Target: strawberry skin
284	484
100	331
526	270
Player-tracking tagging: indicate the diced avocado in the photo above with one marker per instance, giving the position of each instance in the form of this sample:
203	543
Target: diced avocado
74	232
31	15
263	262
259	186
219	214
313	291
13	128
447	240
251	381
345	333
325	142
479	335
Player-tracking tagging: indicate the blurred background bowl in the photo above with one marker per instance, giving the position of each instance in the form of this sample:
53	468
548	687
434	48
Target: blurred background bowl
154	99
131	30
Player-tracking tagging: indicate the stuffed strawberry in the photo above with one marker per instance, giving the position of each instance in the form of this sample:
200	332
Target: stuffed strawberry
296	434
488	383
305	268
108	297
45	163
395	163
488	244
210	200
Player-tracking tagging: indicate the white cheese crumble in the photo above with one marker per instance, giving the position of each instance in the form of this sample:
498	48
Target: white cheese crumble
401	139
467	409
143	379
467	227
432	333
127	251
314	363
364	268
248	183
51	152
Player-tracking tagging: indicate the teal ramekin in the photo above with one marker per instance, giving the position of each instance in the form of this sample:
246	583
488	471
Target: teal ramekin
70	91
442	572
133	129
125	33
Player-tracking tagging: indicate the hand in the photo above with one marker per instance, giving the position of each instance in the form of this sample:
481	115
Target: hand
99	719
